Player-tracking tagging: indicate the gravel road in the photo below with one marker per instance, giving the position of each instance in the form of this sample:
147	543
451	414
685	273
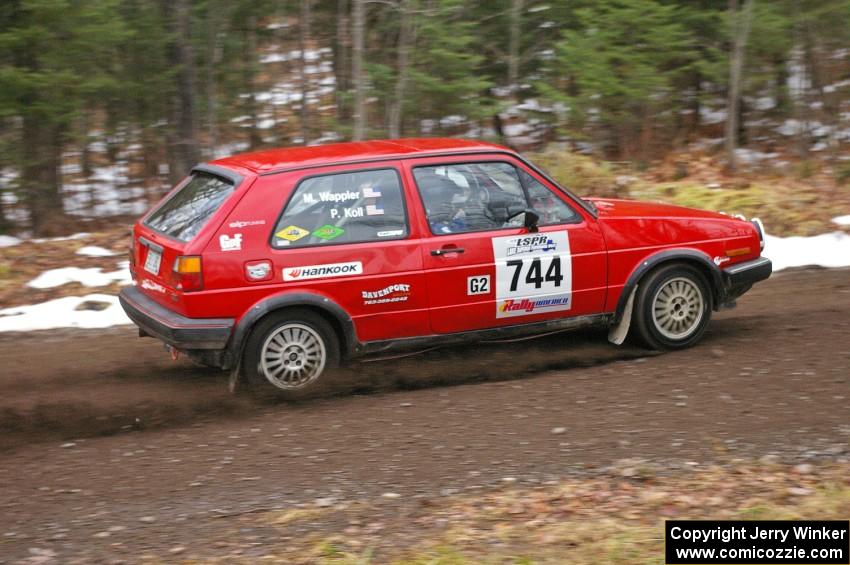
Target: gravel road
110	450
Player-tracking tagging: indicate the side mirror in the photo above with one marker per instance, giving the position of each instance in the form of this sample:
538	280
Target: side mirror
530	221
527	218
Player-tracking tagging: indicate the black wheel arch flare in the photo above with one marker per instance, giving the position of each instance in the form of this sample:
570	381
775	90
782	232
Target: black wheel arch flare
667	256
339	319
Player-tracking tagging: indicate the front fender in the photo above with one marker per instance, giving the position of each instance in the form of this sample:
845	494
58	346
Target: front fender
666	256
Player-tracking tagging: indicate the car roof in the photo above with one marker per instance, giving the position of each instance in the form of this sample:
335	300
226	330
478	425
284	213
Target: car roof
271	160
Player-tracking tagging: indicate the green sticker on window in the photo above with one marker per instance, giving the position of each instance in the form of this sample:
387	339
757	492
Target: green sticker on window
328	232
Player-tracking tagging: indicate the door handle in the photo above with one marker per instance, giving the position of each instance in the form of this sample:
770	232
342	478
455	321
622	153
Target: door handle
446	250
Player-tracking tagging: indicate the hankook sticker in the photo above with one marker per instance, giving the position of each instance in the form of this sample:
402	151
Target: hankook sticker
323	271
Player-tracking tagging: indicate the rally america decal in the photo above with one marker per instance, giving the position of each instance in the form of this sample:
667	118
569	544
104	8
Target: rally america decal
392	293
533	274
323	271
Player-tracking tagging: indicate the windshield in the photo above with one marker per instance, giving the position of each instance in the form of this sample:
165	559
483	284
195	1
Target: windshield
184	214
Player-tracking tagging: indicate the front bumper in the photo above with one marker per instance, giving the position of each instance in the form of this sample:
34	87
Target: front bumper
739	278
172	328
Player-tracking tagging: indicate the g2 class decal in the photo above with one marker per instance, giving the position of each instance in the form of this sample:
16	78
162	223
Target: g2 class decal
478	284
533	274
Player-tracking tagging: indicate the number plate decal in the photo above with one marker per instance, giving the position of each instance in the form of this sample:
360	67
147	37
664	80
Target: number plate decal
533	274
152	261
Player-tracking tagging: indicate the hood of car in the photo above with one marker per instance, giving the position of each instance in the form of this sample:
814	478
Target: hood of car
619	208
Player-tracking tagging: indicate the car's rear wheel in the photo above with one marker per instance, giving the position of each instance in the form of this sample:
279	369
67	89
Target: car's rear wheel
289	352
673	307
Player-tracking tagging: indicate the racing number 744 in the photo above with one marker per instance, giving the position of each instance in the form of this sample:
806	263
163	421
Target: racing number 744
535	272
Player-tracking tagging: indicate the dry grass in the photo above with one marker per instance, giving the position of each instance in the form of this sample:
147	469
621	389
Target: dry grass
22	263
788	205
608	519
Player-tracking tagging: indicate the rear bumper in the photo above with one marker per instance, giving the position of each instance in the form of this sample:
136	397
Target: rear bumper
739	278
172	328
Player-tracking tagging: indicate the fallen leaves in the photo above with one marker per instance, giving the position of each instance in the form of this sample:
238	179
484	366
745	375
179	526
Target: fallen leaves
611	517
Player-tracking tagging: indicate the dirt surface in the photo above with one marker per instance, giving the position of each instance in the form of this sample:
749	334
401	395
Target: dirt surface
112	451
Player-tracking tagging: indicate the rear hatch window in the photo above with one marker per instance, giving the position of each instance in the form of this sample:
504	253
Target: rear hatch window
187	211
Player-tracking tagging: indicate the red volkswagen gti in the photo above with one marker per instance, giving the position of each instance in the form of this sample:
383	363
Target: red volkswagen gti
278	265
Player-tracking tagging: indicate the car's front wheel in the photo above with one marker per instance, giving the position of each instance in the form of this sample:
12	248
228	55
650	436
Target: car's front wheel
289	352
673	307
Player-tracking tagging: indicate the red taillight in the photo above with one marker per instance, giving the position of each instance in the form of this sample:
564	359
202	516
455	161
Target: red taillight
187	273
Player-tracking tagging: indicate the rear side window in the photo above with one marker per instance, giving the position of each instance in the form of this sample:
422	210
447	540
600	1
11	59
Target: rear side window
184	214
350	207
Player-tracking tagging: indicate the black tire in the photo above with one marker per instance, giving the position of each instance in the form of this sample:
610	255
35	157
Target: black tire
672	291
309	326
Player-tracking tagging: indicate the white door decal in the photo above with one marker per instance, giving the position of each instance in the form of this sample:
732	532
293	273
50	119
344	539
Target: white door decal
534	274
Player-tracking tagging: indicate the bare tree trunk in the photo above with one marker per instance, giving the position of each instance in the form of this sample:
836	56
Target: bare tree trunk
150	179
5	223
40	180
85	153
303	43
342	59
358	25
213	57
250	70
184	137
800	98
513	44
406	38
741	23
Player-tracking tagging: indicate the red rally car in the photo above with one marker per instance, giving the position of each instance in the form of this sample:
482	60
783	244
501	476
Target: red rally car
277	265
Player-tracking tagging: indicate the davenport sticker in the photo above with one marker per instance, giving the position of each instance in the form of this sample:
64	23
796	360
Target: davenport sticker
392	293
323	271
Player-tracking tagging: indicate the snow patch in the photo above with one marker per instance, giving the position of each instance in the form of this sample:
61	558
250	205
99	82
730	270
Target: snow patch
95	251
87	277
825	250
81	235
842	220
751	156
710	116
64	313
8	241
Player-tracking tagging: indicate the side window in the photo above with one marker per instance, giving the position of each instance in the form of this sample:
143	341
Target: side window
471	197
550	208
343	208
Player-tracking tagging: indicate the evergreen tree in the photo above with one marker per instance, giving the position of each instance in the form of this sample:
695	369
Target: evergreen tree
54	55
616	72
